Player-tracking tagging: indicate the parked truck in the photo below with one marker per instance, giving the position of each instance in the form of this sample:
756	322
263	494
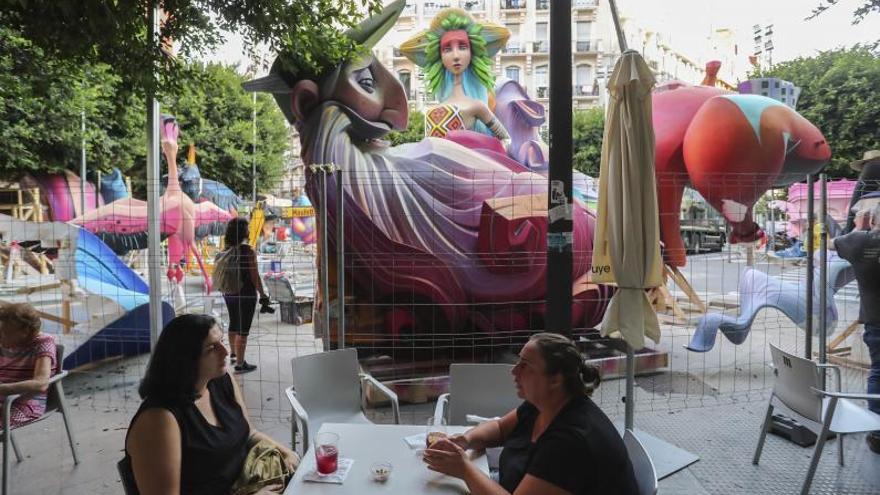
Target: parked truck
702	227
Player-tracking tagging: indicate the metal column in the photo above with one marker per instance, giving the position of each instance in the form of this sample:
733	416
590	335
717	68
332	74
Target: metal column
325	268
154	248
823	271
340	259
559	232
807	232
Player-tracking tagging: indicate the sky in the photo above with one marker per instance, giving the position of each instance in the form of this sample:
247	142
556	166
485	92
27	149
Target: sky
688	22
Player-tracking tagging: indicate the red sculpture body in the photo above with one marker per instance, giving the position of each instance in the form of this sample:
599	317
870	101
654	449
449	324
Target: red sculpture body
731	148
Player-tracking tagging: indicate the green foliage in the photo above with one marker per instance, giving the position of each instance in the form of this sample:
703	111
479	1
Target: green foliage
115	32
841	96
216	115
587	130
415	130
41	105
42	99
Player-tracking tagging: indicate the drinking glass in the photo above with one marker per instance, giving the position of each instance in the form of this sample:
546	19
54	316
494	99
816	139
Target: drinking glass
435	430
326	452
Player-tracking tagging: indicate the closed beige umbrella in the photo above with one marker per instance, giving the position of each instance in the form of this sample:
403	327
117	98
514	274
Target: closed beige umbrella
627	245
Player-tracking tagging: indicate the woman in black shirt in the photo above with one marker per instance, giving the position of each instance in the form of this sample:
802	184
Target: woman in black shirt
191	434
557	442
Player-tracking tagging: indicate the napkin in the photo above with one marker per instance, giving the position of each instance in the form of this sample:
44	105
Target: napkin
343	466
416	441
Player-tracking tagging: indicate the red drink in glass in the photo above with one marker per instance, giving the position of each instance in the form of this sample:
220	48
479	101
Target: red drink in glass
326	457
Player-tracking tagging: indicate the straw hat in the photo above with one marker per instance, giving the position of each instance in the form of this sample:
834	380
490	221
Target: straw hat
869	155
496	36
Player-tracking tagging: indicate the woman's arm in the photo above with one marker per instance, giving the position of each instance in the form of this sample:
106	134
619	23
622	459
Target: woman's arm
488	434
491	121
289	455
36	385
253	272
155	448
448	458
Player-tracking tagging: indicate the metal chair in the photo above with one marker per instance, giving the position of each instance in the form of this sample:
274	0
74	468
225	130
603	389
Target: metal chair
54	403
481	390
798	391
643	466
329	386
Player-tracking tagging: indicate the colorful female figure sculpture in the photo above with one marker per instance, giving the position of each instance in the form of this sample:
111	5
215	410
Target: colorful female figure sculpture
456	53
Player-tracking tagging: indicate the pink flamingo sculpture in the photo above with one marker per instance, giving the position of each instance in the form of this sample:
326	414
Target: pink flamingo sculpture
179	214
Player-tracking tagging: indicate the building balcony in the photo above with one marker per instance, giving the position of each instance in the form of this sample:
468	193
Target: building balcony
432	8
586	46
513	48
409	10
397	53
513	4
585	90
542	4
543	92
542	46
584	4
474	5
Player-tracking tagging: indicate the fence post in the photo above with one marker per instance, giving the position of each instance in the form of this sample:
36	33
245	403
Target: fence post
808	233
823	271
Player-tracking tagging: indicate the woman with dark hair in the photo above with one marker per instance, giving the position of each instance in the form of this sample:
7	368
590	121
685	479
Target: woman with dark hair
557	442
27	359
191	433
241	305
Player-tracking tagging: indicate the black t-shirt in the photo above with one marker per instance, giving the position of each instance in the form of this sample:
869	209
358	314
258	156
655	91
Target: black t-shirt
862	249
580	452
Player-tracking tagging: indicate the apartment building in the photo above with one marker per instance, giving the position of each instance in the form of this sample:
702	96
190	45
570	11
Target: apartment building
526	58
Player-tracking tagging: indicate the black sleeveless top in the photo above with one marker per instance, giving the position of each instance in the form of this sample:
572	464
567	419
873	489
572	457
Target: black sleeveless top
580	452
213	456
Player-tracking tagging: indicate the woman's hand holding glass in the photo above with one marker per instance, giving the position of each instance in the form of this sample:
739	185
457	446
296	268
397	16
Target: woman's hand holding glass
447	457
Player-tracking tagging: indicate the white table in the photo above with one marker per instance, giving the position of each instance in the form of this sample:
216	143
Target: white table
367	444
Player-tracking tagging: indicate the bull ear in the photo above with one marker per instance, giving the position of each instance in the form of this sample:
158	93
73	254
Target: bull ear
531	111
305	96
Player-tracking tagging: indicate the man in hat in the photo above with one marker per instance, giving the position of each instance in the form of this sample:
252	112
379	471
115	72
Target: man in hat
862	249
869	181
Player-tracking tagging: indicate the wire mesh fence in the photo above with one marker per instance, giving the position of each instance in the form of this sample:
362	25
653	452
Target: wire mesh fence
439	267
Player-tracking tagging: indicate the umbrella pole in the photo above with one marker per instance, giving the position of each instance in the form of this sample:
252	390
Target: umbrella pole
621	40
630	403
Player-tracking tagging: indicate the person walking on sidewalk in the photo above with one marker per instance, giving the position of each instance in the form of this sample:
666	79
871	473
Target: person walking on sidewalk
241	304
862	249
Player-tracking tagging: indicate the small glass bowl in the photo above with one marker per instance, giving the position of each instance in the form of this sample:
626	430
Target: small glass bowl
381	471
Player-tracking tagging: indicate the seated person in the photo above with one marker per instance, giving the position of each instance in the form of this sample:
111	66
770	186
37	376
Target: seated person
27	361
557	442
191	433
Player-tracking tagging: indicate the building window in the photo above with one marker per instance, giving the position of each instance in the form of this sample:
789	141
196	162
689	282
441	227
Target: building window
582	31
512	73
405	77
541	81
583	77
765	84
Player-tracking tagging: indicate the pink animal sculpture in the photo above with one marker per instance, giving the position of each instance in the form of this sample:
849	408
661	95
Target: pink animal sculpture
179	214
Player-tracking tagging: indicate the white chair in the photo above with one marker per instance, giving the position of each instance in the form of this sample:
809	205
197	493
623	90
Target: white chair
478	392
329	386
643	466
798	392
481	390
54	403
